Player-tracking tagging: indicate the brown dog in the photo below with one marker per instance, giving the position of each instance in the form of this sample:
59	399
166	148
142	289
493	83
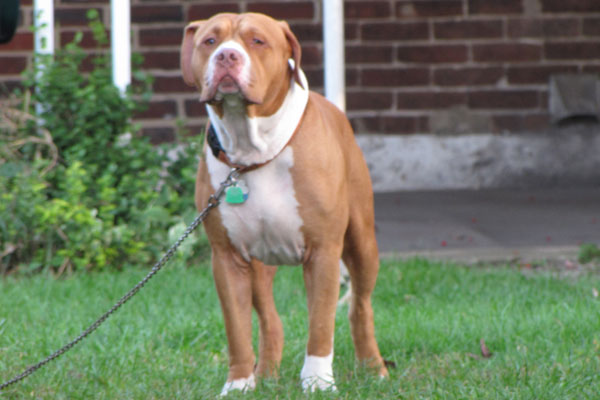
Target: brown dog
304	197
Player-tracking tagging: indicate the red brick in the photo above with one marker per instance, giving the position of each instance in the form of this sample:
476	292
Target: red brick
395	77
12	65
161	37
88	64
539	74
171	84
392	125
205	11
351	30
504	99
314	75
534	27
312	55
591	26
159	110
285	10
570	6
368	54
572	50
467	29
367	9
167	60
365	124
506	52
352	75
159	135
87	41
591	69
20	41
495	6
429	100
395	31
431	8
467	76
369	100
193	109
433	54
520	122
155	13
73	16
404	125
308	32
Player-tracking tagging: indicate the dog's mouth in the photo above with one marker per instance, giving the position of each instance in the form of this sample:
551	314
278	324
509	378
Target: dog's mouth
228	85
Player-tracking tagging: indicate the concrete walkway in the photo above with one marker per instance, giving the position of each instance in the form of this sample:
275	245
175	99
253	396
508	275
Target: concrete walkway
488	225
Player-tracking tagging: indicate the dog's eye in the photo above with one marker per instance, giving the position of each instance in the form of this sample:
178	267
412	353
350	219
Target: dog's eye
258	42
209	41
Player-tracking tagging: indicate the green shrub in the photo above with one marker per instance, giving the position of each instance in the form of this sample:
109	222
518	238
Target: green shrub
87	192
588	252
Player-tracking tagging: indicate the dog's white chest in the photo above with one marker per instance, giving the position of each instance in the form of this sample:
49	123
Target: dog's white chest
267	226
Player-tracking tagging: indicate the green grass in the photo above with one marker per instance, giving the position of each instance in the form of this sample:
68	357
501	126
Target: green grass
169	341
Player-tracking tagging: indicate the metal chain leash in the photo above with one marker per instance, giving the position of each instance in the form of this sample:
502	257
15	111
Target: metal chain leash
213	202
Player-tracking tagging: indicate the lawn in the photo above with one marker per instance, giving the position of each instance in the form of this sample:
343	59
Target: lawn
542	328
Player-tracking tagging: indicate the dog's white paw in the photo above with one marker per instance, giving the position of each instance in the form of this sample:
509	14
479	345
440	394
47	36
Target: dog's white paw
243	384
317	373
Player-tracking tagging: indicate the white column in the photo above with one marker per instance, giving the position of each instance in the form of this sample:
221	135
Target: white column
43	15
120	38
43	21
333	49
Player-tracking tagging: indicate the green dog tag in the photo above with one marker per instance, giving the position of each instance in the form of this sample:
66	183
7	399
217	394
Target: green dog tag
234	195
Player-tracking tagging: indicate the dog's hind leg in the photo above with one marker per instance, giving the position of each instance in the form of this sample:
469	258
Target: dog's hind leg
361	258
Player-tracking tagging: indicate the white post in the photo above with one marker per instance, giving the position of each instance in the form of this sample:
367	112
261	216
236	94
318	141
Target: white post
120	39
43	21
43	15
333	49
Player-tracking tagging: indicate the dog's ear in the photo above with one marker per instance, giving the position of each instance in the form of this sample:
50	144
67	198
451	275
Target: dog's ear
296	50
187	50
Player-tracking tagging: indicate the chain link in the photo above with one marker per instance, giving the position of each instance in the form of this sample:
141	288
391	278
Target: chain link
213	202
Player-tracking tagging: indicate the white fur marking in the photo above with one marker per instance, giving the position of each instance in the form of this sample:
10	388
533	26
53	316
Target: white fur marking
267	225
243	384
317	373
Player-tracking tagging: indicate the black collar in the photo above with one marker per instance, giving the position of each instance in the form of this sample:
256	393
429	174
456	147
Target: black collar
213	142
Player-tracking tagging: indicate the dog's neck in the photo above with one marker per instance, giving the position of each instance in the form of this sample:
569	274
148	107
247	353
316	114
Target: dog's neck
256	140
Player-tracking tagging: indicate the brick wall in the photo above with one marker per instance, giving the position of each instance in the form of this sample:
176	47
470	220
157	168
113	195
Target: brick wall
413	66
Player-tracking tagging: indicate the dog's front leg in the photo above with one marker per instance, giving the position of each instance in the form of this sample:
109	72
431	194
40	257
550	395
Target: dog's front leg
234	287
271	330
321	278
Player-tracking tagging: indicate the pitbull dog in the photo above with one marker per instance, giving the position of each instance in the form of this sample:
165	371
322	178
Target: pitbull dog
304	195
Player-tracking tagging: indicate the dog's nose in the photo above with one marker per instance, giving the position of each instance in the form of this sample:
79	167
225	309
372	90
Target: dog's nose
228	57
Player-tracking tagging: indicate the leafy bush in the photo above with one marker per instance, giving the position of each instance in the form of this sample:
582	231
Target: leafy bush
588	252
86	192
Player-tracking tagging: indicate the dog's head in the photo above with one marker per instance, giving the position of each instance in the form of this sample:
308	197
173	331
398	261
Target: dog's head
240	54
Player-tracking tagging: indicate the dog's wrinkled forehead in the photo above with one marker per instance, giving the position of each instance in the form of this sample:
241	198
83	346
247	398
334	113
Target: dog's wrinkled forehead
242	28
